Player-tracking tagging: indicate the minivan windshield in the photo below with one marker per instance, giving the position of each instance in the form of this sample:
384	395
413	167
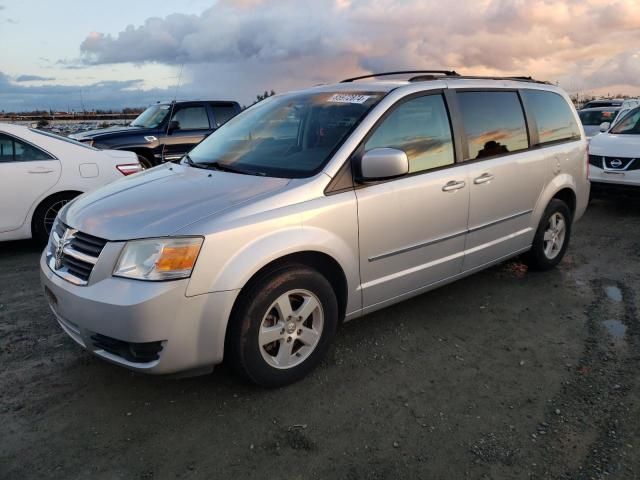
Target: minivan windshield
151	117
290	136
630	123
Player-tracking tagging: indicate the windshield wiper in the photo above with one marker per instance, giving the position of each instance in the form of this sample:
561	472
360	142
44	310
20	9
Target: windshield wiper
223	167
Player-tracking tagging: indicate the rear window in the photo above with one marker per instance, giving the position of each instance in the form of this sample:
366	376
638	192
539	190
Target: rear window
493	122
596	117
553	115
61	138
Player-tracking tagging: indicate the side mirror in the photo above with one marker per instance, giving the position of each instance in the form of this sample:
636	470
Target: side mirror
604	126
383	164
173	125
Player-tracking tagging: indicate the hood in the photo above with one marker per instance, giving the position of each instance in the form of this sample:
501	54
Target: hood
115	130
591	130
162	200
610	145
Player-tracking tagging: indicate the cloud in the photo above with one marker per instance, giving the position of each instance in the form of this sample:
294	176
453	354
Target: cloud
544	38
33	78
105	94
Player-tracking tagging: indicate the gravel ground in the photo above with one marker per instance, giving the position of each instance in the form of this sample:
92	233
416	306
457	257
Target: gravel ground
506	374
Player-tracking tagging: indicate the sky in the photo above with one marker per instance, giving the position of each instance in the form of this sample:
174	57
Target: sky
73	55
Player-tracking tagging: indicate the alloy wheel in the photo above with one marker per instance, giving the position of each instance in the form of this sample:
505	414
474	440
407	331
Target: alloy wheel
291	329
554	235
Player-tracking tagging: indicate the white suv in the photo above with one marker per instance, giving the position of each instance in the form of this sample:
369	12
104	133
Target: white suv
615	155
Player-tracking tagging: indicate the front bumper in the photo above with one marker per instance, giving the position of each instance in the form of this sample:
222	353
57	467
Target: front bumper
630	178
190	330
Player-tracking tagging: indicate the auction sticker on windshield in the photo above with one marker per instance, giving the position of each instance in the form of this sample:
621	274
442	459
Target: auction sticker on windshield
349	98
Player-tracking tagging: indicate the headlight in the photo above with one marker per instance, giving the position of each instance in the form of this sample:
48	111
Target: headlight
158	258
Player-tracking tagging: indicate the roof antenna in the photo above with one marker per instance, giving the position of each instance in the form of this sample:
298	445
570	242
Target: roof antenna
173	103
175	97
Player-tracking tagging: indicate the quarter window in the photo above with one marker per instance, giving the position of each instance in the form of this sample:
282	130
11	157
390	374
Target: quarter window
493	122
554	117
420	127
192	118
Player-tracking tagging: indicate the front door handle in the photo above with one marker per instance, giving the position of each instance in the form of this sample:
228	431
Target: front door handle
41	170
453	185
484	178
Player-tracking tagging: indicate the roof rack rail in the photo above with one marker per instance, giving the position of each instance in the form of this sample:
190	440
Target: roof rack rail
521	78
425	73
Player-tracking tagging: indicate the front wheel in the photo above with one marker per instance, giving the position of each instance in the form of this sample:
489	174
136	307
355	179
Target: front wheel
46	213
283	326
552	237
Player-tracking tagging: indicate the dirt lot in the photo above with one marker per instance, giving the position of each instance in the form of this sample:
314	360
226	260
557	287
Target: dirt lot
506	374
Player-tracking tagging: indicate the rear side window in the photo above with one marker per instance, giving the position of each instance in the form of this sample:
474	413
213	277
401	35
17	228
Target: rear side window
553	115
420	127
191	118
222	114
493	122
6	149
12	150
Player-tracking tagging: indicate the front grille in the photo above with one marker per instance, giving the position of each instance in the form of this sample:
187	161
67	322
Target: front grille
615	163
73	254
132	352
88	244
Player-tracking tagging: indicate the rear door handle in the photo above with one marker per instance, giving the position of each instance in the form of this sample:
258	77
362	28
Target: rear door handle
484	178
453	185
41	170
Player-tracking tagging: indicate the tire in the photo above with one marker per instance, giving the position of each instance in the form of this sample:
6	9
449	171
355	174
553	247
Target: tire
45	214
271	348
552	239
144	161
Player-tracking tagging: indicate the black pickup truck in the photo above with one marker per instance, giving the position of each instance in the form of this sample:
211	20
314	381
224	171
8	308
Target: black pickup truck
163	132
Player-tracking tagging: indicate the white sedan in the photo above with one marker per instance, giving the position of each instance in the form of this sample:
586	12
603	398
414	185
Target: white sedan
615	154
40	172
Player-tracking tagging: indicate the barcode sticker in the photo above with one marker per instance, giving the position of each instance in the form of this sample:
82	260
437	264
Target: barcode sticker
349	98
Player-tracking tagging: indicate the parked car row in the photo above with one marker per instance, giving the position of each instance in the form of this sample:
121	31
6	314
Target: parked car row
312	208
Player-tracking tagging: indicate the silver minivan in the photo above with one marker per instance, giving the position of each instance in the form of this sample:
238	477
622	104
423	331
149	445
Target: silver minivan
312	208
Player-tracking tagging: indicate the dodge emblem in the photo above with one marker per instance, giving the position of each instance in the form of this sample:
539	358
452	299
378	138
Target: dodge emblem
64	241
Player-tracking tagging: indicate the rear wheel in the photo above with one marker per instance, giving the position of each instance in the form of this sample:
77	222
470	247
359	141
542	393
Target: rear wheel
46	213
552	237
283	326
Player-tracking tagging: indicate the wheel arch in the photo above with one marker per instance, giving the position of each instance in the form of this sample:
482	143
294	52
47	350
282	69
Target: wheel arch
322	262
144	152
562	187
568	196
71	192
